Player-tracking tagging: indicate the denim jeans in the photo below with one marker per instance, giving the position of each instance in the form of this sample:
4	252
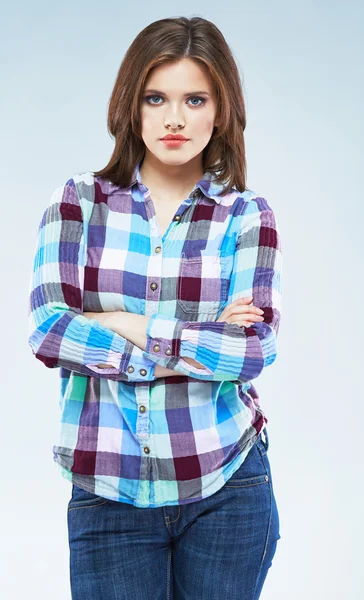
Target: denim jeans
215	548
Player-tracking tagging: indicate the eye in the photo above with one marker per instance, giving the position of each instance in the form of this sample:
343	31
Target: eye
149	99
202	100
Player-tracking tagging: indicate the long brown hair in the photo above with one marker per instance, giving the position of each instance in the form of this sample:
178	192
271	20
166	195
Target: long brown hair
169	40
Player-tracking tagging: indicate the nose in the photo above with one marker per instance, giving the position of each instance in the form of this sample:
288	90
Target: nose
173	117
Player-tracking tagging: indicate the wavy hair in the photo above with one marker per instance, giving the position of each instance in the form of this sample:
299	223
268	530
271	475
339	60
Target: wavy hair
169	40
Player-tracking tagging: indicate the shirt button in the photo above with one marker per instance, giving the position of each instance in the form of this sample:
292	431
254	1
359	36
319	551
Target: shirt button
143	372
156	347
142	408
130	369
146	450
157	249
177	218
153	286
168	351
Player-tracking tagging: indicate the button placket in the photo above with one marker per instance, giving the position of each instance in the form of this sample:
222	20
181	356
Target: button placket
154	275
142	421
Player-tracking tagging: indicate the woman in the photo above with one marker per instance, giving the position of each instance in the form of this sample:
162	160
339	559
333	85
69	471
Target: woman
156	291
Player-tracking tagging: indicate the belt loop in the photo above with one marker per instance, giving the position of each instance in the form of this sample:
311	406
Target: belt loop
265	438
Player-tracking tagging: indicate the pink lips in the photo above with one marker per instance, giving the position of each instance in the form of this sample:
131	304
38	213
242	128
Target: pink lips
173	143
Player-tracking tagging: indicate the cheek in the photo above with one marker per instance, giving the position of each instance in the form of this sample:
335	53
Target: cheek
148	122
204	126
209	125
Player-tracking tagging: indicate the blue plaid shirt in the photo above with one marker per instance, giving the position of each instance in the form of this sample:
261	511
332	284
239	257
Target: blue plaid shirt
125	434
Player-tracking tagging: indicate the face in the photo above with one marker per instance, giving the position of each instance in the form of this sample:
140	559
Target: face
171	105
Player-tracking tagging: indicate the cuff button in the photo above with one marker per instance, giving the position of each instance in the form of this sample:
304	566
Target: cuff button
156	347
168	351
143	372
130	369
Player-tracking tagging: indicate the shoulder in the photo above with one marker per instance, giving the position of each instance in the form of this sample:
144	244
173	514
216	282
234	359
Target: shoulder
256	215
74	196
74	186
250	202
83	184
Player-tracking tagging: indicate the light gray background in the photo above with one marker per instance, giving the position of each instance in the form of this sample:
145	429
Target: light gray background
302	66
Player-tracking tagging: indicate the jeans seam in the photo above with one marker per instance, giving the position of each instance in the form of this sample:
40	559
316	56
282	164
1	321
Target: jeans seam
169	572
178	516
268	534
261	451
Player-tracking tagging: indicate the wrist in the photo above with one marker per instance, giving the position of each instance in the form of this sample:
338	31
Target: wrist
193	362
163	372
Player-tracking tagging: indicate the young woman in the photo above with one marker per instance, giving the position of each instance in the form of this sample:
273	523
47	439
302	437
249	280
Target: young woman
156	291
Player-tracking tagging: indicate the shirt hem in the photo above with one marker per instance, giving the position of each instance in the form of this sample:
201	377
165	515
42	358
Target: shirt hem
234	465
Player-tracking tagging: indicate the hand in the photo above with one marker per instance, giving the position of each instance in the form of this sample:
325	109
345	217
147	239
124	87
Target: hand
241	313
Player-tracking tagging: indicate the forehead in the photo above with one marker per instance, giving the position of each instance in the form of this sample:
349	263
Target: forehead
180	75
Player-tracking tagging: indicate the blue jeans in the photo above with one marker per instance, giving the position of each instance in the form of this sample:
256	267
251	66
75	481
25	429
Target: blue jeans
218	547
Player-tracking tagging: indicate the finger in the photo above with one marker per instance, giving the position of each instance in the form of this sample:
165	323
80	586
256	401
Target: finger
241	316
247	309
246	300
247	316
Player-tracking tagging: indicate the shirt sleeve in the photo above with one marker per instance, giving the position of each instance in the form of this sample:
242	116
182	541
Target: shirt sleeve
232	352
59	335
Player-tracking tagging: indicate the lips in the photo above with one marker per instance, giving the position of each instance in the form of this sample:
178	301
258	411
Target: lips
174	137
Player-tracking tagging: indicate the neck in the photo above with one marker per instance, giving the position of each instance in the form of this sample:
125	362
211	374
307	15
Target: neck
170	181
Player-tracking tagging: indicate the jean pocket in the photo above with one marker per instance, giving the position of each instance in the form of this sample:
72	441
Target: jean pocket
236	481
253	470
83	499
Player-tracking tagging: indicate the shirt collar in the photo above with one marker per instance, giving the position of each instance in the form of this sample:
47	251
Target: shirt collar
207	184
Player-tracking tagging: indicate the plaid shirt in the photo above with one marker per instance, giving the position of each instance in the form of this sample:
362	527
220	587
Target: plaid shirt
125	434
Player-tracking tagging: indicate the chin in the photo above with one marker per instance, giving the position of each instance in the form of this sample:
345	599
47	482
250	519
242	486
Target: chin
171	158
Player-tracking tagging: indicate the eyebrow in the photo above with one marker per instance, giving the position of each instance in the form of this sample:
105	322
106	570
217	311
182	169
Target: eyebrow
188	93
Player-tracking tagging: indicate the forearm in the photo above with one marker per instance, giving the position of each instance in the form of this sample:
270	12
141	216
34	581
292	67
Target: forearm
133	327
129	325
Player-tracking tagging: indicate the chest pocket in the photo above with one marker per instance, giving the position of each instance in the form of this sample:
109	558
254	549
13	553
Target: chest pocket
203	284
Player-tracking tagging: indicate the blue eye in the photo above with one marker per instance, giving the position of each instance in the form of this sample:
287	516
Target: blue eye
198	98
149	98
